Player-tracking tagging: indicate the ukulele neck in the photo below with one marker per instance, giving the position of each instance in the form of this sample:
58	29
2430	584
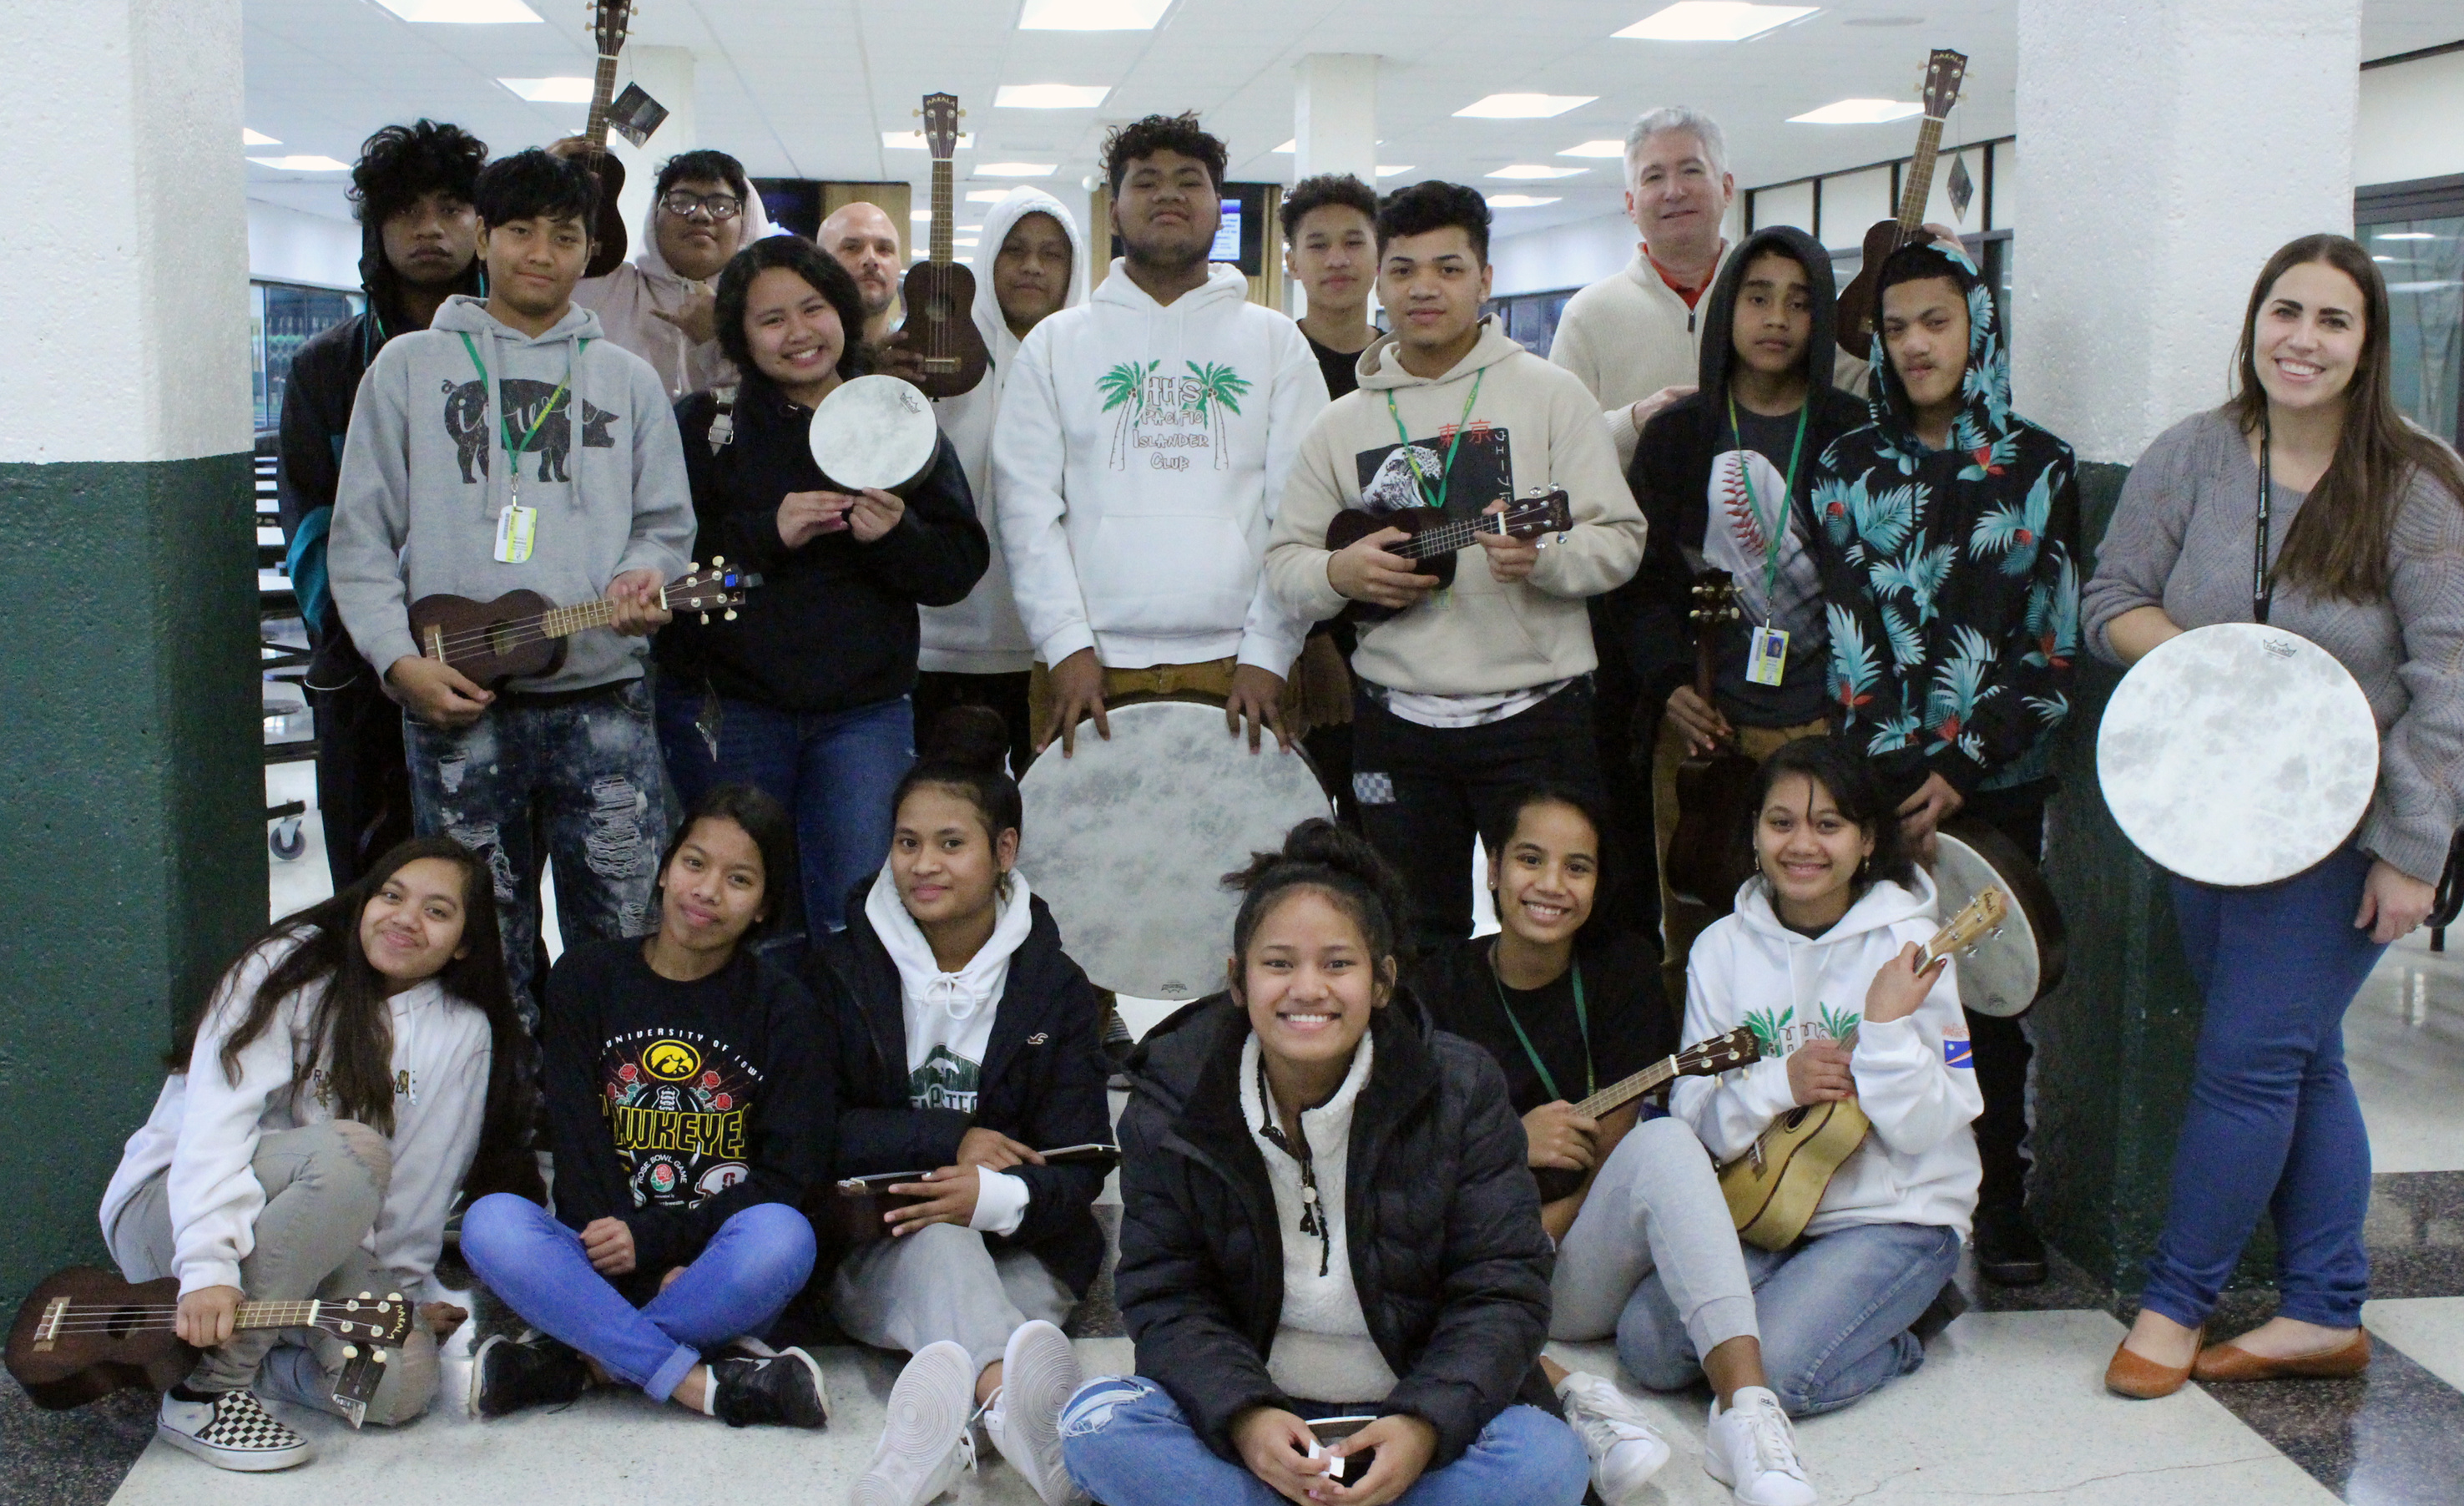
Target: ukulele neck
943	211
1920	184
603	92
1446	538
276	1315
1621	1093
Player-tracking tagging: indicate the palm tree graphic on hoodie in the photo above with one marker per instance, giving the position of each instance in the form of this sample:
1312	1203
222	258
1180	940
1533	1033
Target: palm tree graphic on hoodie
1200	399
1219	387
1124	387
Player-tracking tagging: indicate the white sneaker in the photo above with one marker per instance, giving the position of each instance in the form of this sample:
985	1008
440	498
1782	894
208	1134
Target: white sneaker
1039	1375
232	1431
926	1444
1626	1451
1752	1449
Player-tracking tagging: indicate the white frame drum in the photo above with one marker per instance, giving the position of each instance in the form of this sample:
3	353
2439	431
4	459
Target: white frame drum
873	432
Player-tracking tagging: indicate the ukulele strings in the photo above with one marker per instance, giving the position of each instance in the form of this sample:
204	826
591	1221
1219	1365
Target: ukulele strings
1446	538
526	629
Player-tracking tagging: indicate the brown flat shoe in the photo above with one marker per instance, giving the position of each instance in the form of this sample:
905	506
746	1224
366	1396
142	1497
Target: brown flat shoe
2134	1375
2226	1361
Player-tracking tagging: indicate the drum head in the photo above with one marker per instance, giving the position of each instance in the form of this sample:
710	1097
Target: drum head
2000	976
875	432
1129	841
2237	754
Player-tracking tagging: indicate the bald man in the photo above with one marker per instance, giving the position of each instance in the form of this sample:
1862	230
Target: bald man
866	244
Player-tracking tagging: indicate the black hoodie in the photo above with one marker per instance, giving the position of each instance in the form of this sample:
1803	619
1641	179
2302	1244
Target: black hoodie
1691	450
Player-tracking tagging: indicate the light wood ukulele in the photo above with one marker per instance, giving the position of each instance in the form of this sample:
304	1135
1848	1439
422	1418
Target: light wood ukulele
1773	1189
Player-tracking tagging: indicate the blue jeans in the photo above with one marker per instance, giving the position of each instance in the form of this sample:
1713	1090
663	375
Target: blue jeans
834	771
1126	1443
589	772
1833	1311
2272	1123
737	1285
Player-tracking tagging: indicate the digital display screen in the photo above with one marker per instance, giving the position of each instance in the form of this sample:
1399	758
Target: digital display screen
1227	235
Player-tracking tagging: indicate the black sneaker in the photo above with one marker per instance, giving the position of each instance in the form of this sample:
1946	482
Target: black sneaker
508	1374
1946	1305
787	1389
2008	1252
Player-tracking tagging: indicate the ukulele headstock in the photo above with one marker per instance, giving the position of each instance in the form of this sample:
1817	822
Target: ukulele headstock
1981	918
609	22
717	589
941	114
1739	1047
1945	72
368	1320
1715	598
1547	510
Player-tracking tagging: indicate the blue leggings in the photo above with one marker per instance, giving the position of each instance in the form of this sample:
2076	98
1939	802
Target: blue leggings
1126	1443
738	1283
2272	1123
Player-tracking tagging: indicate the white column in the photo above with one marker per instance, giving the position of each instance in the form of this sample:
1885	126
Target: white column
2168	148
667	75
1335	128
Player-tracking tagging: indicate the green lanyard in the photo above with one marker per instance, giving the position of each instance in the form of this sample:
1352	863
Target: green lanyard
1445	473
504	420
1776	531
1582	1021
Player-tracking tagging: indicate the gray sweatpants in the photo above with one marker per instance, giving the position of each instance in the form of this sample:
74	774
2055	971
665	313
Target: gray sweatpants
324	1186
943	1282
1654	1207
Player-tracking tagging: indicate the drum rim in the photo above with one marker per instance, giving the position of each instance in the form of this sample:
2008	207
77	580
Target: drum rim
2033	903
870	382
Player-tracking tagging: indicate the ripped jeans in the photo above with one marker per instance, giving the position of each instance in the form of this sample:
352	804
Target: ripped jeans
584	771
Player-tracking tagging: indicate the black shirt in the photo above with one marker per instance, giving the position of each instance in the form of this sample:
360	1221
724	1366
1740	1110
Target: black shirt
1342	367
1631	1023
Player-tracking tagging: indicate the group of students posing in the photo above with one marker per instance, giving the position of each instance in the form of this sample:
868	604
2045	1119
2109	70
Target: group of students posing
1330	1206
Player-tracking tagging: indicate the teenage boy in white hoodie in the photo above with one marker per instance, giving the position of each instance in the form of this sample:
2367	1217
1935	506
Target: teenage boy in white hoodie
977	652
510	446
1465	696
1140	458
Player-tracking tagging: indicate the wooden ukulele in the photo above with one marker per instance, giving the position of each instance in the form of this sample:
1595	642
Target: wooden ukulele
609	21
521	635
1774	1187
1739	1047
1708	854
1435	533
939	294
84	1334
1859	306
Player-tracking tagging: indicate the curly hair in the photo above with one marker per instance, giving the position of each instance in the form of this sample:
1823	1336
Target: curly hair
1433	205
1311	194
1124	145
806	260
400	164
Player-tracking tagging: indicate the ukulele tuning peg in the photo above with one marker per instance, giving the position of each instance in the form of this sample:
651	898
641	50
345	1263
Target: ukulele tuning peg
367	1296
718	562
705	619
350	1351
692	567
393	1296
730	614
377	1354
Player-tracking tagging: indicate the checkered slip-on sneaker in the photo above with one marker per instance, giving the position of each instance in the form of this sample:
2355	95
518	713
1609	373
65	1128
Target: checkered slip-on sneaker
232	1431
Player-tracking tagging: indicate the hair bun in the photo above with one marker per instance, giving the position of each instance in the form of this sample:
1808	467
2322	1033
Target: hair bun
971	736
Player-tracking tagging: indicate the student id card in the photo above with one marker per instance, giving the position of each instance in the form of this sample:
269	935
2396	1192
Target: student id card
516	526
1766	655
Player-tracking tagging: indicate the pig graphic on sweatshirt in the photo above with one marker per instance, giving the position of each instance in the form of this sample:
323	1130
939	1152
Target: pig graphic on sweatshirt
466	421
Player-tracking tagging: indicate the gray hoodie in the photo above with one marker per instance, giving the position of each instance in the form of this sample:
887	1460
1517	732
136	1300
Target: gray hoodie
424	479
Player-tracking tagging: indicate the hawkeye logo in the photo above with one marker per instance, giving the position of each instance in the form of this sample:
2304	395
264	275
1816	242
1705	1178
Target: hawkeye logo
671	1060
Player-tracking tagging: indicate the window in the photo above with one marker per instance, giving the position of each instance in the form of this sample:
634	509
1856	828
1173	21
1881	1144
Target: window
283	317
1530	319
2415	233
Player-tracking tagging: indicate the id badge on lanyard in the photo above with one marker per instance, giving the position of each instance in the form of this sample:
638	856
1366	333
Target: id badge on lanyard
1766	646
517	526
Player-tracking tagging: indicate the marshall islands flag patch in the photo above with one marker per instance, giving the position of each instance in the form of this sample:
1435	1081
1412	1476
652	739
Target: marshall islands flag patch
1958	1051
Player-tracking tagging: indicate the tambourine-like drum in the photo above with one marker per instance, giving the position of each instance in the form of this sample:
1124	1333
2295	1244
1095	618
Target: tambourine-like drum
2021	960
1129	840
875	432
2237	754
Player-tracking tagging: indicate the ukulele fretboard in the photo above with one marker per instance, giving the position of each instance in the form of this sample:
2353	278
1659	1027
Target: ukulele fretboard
1628	1089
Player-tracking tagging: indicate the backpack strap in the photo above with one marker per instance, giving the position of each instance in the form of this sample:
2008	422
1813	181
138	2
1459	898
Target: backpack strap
722	424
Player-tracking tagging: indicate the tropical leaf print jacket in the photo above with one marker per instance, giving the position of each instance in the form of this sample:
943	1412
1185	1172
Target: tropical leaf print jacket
1952	577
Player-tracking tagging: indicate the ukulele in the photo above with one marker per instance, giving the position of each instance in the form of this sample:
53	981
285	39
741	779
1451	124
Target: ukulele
609	21
1739	1047
1707	857
521	635
1435	533
1774	1187
84	1334
1858	305
939	294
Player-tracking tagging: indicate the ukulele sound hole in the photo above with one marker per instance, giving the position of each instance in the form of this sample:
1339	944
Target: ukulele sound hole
500	639
1795	1118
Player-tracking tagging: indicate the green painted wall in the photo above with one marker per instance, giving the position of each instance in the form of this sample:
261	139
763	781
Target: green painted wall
131	809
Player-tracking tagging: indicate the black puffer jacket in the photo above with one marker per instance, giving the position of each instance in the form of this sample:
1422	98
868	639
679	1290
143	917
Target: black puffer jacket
1443	1224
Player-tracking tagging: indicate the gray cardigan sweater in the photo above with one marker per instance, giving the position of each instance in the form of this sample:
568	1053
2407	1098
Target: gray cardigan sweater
2181	539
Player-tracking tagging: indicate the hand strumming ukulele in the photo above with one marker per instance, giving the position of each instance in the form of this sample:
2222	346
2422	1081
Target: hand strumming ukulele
939	294
1436	533
84	1334
521	635
1739	1047
1773	1189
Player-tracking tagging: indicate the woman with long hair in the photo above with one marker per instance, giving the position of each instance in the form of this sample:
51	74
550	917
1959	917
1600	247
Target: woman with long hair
2366	542
321	1111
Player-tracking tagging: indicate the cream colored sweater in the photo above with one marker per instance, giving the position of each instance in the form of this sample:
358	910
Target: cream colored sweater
1627	337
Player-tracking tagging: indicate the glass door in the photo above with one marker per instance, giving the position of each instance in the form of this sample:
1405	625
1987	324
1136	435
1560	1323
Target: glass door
2423	261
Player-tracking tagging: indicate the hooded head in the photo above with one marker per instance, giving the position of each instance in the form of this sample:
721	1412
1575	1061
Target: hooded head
1983	423
1719	358
999	221
750	225
398	167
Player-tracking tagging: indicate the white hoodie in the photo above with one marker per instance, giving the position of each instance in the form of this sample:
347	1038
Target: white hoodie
625	301
1915	1077
204	1130
1137	463
950	1015
982	634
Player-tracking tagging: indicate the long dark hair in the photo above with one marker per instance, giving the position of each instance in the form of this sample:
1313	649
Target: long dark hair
1855	788
351	1031
774	836
2338	544
1319	855
965	754
806	260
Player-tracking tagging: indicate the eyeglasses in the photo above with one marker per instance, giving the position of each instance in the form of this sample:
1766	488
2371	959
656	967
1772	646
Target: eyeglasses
716	206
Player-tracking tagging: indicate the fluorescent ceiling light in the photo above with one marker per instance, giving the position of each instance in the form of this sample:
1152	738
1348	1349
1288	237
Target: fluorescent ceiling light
913	141
2404	235
2390	258
1385	171
249	138
464	12
1289	146
1858	112
1014	169
551	91
919	216
966	240
1712	21
1091	16
987	195
304	164
1605	147
1531	171
1523	106
1516	201
1051	96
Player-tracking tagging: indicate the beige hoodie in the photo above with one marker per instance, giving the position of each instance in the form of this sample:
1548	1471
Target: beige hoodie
1542	428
